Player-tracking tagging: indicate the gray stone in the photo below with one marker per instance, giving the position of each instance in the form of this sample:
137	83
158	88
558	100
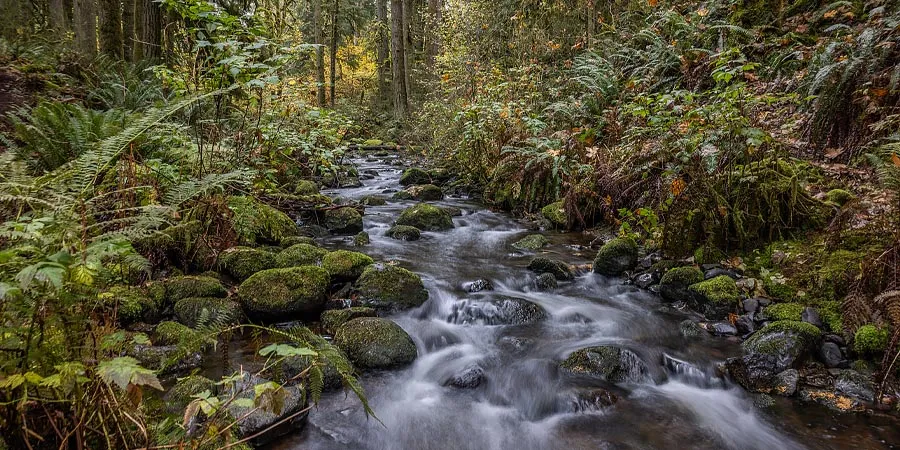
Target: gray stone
856	385
723	329
480	285
751	305
811	315
830	354
785	383
545	281
471	377
744	325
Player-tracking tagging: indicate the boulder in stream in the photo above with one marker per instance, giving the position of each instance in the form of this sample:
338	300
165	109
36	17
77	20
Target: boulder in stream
391	287
279	294
425	192
559	269
344	265
241	262
374	343
414	175
332	319
673	286
498	311
291	400
403	233
300	255
426	217
610	363
777	347
346	220
532	242
616	256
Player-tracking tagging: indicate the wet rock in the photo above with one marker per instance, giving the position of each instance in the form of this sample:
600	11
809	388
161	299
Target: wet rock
362	239
314	230
811	316
345	220
403	233
374	343
390	287
344	265
254	420
744	325
718	271
181	394
414	175
763	401
426	217
691	329
837	339
501	311
452	210
280	294
592	399
750	305
402	195
612	364
830	354
559	269
855	385
723	329
196	311
332	319
177	288
165	359
837	402
515	344
616	256
715	296
545	282
299	255
785	383
775	348
674	284
471	377
555	213
479	285
532	242
425	192
646	279
373	200
816	375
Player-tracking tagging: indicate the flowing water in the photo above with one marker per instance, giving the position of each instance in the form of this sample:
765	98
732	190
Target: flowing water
524	402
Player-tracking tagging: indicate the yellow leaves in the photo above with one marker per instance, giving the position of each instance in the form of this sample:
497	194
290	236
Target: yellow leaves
607	200
553	152
895	159
702	12
504	114
553	45
677	186
653	3
830	14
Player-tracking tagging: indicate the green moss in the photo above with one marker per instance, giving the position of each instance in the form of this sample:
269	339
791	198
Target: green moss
426	217
278	294
178	288
870	340
613	364
194	311
391	284
777	336
532	242
300	255
256	222
403	233
185	389
345	220
683	276
373	343
346	265
830	313
616	256
172	333
839	196
294	240
373	200
555	213
425	192
414	176
708	255
784	311
316	200
241	262
332	319
402	195
559	269
720	290
361	239
306	187
131	304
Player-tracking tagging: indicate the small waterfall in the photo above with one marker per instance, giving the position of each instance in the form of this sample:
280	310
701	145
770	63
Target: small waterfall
689	373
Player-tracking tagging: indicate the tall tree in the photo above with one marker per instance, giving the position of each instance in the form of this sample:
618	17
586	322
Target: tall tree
398	59
85	18
59	15
128	30
432	37
334	46
152	30
382	53
111	28
318	37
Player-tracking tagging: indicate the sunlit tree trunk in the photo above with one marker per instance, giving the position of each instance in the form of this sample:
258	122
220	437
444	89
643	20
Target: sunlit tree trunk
398	59
320	51
383	46
85	18
433	36
334	47
111	28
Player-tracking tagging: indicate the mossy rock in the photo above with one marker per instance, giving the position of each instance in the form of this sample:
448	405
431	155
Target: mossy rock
777	347
374	343
194	311
771	339
440	175
708	255
255	222
181	287
559	269
720	290
185	389
616	256
414	175
280	294
497	311
403	233
345	265
172	333
870	340
319	200
839	197
391	286
402	195
300	255
306	187
452	210
426	217
332	319
345	220
673	285
132	304
532	242
784	311
362	239
241	262
373	200
294	240
425	192
612	364
556	214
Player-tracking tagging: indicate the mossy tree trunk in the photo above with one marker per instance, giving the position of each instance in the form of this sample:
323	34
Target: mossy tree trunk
111	28
85	18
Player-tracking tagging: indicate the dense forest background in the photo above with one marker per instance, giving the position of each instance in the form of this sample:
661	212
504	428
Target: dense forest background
142	139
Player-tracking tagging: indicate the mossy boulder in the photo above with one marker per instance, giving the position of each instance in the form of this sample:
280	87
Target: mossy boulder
306	187
194	311
612	364
720	290
425	192
426	217
532	242
870	340
497	311
344	220
784	311
559	269
294	240
255	222
344	265
362	239
177	288
300	255
616	256
374	343
241	262
280	294
332	319
391	286
172	333
777	347
402	195
373	200
673	286
131	304
839	197
413	176
556	214
185	389
404	233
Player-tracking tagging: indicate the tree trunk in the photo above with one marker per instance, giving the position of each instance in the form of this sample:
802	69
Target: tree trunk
152	30
433	36
334	46
111	28
382	54
85	18
320	51
589	25
59	17
398	59
128	39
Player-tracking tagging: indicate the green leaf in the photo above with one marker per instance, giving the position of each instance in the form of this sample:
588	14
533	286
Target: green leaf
286	350
126	370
